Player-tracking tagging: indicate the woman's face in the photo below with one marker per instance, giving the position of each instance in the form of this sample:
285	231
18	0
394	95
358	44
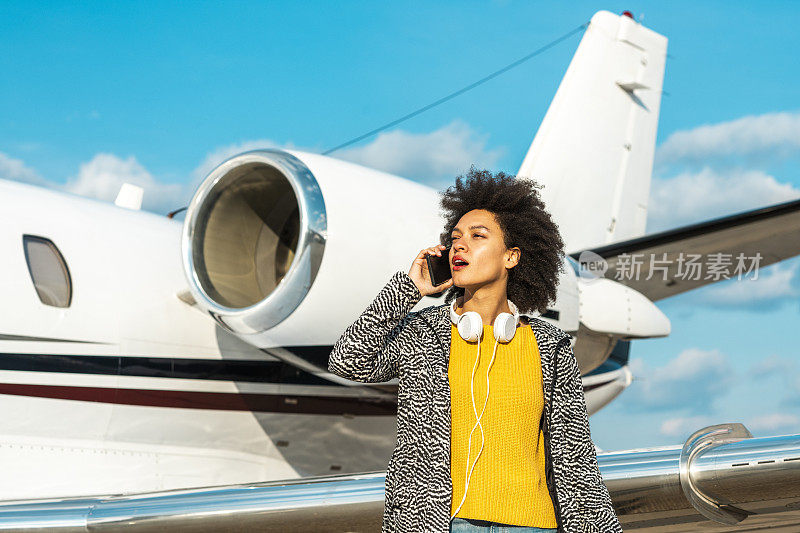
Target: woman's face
478	239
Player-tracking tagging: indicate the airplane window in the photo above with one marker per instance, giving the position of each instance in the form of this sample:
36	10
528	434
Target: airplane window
48	271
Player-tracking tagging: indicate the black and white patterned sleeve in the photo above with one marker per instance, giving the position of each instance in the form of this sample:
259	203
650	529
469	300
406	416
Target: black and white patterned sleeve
587	486
369	348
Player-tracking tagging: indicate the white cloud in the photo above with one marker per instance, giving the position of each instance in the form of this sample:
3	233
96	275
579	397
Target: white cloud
694	380
443	153
772	365
220	154
17	170
104	174
426	157
768	290
690	381
792	397
697	196
774	422
711	182
716	170
440	154
682	427
782	371
751	139
101	178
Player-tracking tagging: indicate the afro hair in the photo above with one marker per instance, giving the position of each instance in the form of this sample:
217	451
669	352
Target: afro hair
521	215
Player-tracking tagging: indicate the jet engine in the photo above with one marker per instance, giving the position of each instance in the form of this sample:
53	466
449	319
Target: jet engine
253	239
273	234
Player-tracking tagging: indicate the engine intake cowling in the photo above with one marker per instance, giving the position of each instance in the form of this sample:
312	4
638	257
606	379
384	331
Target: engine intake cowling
253	239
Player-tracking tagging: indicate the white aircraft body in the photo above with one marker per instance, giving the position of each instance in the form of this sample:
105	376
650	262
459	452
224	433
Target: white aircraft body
139	353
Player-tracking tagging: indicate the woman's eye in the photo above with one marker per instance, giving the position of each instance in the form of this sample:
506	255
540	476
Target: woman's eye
474	235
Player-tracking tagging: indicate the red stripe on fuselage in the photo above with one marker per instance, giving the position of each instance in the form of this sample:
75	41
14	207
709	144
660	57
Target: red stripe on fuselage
208	400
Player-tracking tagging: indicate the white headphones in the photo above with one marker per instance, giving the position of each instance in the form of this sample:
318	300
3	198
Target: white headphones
470	328
470	324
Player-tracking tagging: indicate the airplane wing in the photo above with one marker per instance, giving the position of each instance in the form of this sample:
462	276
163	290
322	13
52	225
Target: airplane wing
721	479
772	231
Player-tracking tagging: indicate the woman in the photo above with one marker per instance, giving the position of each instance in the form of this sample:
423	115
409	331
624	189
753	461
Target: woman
510	450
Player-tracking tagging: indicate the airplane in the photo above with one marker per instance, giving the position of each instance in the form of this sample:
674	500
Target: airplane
143	357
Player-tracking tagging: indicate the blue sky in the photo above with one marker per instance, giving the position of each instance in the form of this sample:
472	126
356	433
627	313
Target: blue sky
97	93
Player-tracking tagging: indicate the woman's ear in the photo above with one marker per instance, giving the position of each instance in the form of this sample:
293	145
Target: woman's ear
513	258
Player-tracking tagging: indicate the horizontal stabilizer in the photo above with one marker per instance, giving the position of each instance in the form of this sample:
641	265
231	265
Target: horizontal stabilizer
772	232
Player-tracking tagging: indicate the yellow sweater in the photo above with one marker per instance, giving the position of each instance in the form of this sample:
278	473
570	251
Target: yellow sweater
508	482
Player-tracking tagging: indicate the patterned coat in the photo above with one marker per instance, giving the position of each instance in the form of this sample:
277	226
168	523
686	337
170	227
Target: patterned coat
389	341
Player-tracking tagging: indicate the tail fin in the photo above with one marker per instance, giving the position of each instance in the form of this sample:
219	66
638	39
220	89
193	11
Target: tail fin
594	149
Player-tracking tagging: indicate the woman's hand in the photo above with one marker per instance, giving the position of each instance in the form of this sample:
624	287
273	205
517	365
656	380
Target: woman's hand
420	275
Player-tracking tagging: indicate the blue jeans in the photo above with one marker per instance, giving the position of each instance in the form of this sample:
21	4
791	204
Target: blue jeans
471	525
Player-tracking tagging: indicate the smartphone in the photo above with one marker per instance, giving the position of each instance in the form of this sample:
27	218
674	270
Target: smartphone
439	267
